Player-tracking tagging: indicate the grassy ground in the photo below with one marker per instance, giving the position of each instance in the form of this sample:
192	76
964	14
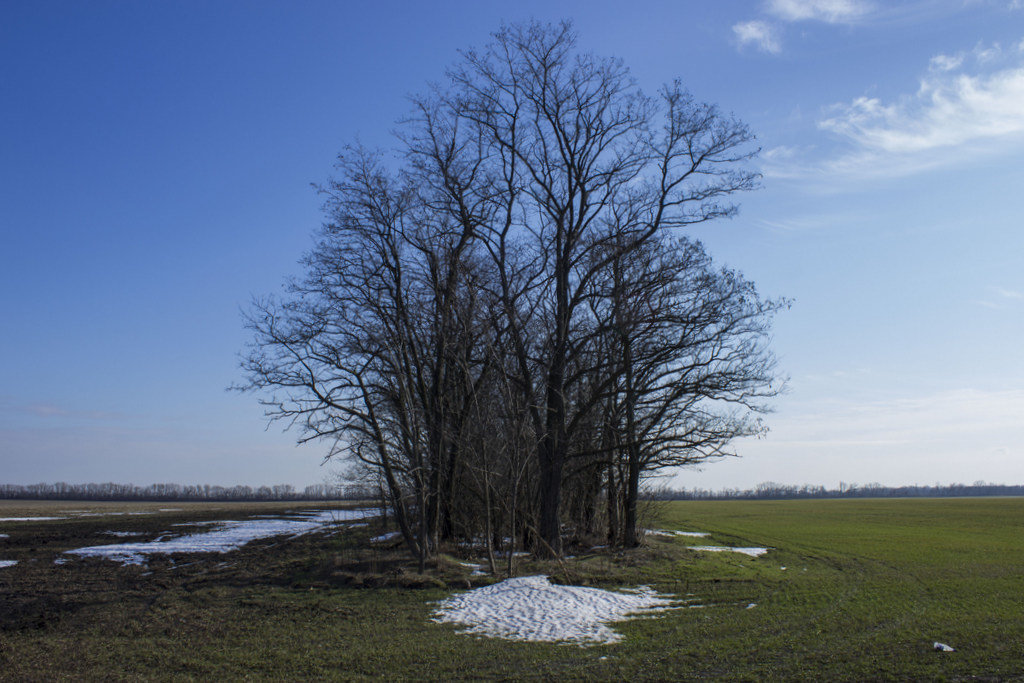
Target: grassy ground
868	586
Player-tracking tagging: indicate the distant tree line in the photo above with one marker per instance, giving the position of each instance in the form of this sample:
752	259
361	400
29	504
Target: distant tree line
285	492
501	326
774	491
178	492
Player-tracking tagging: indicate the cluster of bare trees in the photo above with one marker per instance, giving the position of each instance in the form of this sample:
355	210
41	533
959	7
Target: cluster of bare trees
501	325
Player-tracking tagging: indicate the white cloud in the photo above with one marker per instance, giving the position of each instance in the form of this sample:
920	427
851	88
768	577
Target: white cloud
1009	293
951	111
760	34
943	113
780	152
946	62
987	53
829	11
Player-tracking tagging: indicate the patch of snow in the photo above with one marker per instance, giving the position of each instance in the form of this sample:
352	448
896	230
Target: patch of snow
531	608
753	552
7	563
478	569
384	538
782	568
4	536
124	534
230	535
942	647
668	532
752	605
170	510
29	519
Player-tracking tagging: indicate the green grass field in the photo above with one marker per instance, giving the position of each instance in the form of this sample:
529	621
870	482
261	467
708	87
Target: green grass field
868	586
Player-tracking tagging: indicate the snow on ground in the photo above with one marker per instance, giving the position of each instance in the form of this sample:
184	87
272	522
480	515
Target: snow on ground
384	538
4	536
533	609
224	537
124	534
666	532
753	552
7	563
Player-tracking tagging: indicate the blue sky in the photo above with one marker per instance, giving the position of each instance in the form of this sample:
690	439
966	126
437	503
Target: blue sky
155	171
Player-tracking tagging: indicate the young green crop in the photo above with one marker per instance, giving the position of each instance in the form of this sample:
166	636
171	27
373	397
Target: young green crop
868	587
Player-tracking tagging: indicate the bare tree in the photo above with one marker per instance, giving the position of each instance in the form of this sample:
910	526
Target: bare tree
688	349
581	157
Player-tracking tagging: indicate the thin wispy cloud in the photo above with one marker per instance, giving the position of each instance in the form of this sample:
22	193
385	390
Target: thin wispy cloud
54	411
1003	298
828	11
957	435
758	34
945	62
918	420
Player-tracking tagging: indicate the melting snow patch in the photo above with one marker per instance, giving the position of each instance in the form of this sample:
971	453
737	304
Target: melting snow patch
7	563
384	538
229	536
666	532
753	552
533	609
4	536
124	534
942	647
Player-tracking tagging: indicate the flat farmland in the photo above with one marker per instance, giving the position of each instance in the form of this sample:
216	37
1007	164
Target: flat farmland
848	590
